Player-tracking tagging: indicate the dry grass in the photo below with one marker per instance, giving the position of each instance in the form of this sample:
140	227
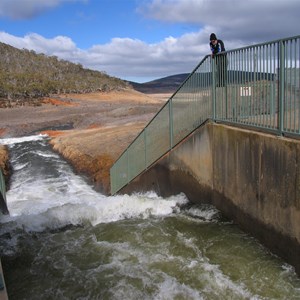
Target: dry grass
104	125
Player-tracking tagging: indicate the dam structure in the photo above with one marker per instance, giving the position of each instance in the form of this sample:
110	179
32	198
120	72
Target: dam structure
229	136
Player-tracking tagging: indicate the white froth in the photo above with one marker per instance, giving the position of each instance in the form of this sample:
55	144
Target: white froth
37	212
204	212
17	140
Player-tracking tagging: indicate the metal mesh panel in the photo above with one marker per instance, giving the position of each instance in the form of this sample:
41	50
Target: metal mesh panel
191	105
292	86
250	93
158	135
137	156
2	185
119	173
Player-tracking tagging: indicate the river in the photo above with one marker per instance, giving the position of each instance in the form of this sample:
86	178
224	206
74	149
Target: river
64	240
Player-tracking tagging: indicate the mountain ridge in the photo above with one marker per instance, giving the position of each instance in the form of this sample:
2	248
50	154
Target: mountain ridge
168	84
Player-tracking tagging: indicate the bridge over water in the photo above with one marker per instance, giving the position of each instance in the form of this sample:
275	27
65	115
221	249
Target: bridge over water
229	136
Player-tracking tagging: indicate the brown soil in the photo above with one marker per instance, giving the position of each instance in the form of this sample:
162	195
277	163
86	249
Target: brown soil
102	126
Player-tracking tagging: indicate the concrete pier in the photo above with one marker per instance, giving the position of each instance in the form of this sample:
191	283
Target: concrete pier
252	177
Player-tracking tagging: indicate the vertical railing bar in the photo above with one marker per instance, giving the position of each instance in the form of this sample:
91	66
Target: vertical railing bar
242	114
271	86
145	145
254	83
243	82
261	103
296	126
250	79
171	122
267	86
257	110
259	89
248	74
213	87
235	84
275	67
238	84
263	86
245	100
297	78
286	103
294	84
248	102
291	127
286	96
250	85
241	85
281	87
292	87
225	73
209	90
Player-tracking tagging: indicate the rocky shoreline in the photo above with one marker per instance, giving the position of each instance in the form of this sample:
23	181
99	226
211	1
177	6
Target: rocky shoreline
89	130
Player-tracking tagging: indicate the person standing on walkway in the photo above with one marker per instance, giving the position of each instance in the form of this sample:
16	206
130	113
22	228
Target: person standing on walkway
217	47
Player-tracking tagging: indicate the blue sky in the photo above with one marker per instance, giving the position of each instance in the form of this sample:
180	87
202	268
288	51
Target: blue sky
141	40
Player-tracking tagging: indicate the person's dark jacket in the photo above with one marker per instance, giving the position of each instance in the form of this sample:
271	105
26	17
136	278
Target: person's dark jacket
217	48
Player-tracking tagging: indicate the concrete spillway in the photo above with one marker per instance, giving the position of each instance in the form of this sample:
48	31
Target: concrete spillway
252	177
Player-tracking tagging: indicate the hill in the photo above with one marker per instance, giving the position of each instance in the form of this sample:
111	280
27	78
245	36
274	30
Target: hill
26	75
167	84
170	84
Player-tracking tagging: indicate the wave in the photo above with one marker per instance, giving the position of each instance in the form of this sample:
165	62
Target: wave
18	140
41	215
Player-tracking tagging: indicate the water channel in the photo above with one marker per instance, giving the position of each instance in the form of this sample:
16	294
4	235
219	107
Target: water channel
64	240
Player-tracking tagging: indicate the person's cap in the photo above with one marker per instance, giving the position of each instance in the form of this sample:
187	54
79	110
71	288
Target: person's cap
213	37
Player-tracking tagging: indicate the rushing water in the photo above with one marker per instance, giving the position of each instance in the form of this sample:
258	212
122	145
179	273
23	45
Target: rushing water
63	240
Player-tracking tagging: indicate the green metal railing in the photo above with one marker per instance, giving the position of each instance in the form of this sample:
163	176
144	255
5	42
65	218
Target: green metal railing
2	186
256	86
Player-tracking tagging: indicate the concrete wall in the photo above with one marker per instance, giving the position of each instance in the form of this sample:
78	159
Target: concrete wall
253	178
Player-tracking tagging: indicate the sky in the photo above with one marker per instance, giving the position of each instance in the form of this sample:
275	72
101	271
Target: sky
142	40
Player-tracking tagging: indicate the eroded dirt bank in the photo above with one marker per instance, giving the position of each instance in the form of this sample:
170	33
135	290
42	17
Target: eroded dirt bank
89	130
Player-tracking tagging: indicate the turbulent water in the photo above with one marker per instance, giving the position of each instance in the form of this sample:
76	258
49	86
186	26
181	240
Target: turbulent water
63	240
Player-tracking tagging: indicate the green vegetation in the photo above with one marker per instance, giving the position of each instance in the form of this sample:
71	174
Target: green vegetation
27	75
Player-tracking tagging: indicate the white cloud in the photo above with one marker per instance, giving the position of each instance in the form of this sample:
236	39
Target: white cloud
238	23
27	9
252	20
38	43
122	57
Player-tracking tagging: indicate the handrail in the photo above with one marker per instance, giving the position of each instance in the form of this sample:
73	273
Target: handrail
256	86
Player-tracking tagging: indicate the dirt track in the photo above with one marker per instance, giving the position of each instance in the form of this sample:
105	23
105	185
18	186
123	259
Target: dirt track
89	130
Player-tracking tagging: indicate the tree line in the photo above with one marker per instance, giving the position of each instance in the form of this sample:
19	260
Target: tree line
24	74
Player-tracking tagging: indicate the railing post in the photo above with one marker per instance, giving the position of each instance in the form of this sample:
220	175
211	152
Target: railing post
225	72
281	87
171	122
213	87
145	141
